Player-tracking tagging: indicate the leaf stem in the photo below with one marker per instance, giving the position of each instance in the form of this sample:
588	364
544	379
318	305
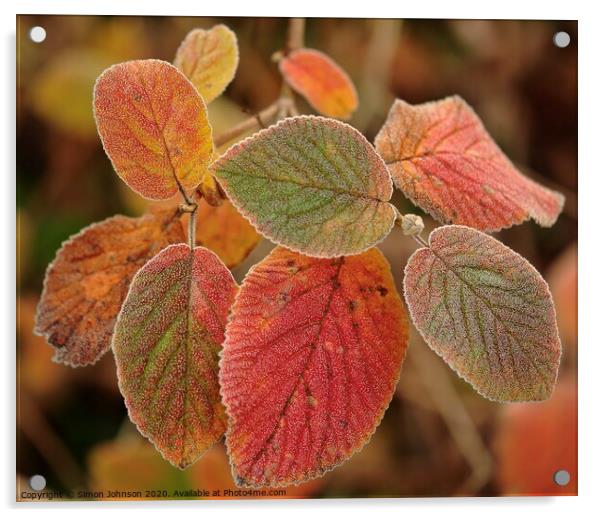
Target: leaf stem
411	225
192	229
191	208
421	241
187	200
282	107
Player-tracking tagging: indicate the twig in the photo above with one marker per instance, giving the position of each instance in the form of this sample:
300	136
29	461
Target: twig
456	418
192	229
247	125
35	426
191	207
281	107
296	34
421	241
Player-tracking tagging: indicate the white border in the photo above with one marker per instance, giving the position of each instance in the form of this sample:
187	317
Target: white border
590	288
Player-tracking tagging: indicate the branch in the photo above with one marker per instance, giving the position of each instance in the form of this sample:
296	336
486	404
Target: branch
34	424
296	34
247	125
284	105
457	419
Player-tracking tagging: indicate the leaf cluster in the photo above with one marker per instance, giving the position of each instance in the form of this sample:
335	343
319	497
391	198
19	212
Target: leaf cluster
298	365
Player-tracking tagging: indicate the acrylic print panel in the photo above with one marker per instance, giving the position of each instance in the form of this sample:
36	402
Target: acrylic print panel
286	258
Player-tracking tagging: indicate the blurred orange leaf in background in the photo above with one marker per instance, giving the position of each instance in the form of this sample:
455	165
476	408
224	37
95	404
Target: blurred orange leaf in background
223	230
562	279
534	441
131	463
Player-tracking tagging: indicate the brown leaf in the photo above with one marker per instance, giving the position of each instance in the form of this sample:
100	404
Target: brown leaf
88	280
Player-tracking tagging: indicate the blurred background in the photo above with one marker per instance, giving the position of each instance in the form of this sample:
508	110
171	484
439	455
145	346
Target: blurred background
438	437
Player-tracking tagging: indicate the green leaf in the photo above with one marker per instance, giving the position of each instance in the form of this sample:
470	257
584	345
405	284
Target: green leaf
487	312
312	184
166	343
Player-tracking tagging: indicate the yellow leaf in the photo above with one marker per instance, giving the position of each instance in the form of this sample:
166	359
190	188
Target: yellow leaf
209	58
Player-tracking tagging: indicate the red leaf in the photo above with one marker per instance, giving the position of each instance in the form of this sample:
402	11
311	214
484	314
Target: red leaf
166	345
312	354
444	161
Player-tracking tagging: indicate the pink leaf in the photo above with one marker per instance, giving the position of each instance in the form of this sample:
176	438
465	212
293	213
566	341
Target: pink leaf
444	161
487	312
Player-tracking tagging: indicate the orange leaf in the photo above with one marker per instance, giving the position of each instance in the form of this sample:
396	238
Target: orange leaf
89	279
444	161
562	278
166	344
153	125
209	59
321	81
312	354
223	230
131	465
535	441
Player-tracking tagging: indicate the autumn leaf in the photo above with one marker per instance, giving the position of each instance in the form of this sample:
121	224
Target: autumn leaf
562	276
209	190
88	280
224	231
209	58
166	344
153	126
321	81
444	161
132	465
312	184
313	351
487	312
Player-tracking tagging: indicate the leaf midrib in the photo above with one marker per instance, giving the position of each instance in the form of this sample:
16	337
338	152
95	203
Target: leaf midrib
488	305
306	185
